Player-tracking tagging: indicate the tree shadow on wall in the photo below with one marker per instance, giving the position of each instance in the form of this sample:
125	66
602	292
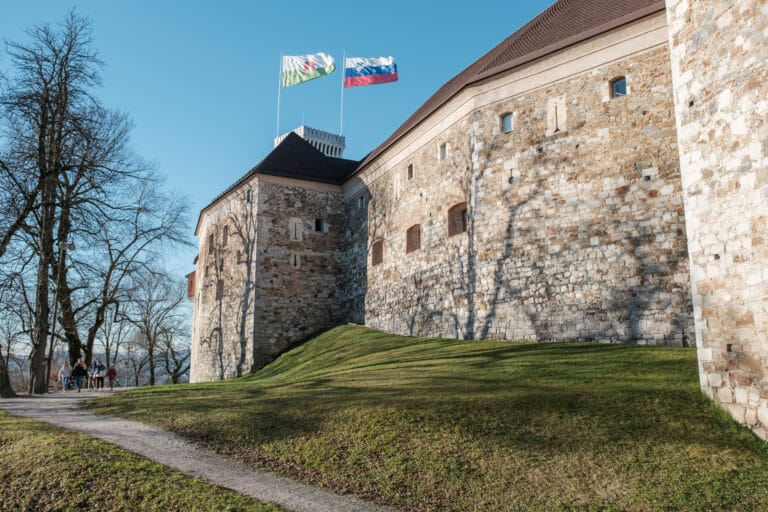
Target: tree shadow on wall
242	218
533	269
356	246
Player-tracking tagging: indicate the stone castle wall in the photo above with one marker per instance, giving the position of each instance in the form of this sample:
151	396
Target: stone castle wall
718	55
224	297
299	263
575	226
272	280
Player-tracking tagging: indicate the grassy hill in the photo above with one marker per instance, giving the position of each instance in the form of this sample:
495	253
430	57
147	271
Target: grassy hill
47	468
434	424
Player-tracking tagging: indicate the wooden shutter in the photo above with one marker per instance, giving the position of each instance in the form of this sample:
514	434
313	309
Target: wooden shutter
457	219
413	238
377	252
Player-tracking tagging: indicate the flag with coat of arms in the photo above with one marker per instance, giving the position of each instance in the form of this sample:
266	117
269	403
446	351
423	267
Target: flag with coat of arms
301	68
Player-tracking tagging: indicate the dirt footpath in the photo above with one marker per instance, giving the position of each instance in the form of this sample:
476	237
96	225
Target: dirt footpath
62	409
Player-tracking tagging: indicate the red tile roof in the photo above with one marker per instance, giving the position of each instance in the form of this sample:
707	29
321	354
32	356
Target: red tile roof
563	24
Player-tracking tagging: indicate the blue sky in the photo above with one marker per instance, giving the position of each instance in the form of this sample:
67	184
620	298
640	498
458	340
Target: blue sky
200	78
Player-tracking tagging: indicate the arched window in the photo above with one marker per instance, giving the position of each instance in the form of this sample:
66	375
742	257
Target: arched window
618	87
507	122
413	238
377	252
457	219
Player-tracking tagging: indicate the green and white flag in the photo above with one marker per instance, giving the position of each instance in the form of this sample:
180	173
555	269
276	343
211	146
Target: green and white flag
300	68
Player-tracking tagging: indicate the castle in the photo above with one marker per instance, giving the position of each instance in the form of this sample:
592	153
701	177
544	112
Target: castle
601	174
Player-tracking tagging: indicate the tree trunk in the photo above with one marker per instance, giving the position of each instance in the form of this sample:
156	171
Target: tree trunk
6	391
38	368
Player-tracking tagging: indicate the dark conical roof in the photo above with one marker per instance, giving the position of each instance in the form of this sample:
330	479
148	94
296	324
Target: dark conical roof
296	158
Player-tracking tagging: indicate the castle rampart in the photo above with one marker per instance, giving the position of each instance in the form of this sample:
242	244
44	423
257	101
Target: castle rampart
718	50
574	224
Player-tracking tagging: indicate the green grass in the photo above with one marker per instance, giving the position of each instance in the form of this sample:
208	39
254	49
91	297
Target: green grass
432	424
46	468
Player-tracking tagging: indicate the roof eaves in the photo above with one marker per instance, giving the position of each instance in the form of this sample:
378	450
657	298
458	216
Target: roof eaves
573	40
414	121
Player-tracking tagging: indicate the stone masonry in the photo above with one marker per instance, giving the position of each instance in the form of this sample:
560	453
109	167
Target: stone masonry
271	280
718	51
533	202
574	234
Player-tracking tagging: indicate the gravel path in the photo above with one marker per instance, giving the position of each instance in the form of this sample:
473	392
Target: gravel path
62	409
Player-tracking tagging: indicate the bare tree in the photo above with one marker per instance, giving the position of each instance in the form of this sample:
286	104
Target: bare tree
10	332
92	211
174	352
135	359
125	242
114	334
43	104
158	312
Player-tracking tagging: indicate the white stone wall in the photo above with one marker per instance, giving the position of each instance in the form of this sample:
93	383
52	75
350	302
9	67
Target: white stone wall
573	234
273	282
718	53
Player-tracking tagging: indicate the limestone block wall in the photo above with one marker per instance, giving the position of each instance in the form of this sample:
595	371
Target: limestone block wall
574	225
718	54
298	282
222	339
267	274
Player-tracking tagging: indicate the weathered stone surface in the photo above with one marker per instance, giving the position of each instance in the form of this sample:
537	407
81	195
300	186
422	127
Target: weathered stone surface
578	235
279	272
718	56
572	225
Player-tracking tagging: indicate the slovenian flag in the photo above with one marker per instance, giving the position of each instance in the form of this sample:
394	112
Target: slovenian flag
369	71
300	68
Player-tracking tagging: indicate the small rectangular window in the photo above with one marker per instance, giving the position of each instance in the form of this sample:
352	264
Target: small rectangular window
443	152
219	289
507	123
377	252
320	226
211	247
410	171
457	219
295	260
360	202
225	236
413	238
619	87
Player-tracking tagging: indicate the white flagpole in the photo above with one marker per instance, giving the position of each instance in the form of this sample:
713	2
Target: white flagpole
343	71
279	88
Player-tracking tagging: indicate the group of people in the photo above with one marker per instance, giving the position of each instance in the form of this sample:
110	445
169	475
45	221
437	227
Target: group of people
92	376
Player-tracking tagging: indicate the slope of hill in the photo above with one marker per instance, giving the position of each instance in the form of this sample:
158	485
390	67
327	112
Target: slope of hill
434	424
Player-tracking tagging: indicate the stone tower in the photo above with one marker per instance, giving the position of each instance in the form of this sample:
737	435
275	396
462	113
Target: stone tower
718	52
330	144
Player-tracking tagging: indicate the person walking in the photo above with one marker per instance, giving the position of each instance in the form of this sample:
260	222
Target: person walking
65	374
92	372
79	372
112	376
101	371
